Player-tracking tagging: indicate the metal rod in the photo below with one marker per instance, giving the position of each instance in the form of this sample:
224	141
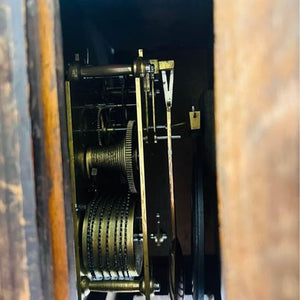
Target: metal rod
99	130
158	127
119	88
146	113
123	286
153	110
93	106
142	185
117	286
172	267
116	92
124	129
108	70
171	179
174	137
168	92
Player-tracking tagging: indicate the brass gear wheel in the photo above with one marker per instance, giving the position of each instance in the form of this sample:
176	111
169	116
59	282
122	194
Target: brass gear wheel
111	241
119	158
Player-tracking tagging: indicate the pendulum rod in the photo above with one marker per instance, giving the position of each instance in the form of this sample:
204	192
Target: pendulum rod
171	176
168	93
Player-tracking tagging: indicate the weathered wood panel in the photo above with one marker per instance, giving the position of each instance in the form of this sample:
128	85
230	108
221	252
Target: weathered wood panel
47	19
257	94
19	247
37	250
73	274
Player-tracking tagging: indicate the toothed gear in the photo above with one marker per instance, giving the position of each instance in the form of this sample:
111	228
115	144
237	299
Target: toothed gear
118	158
129	156
91	220
109	249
